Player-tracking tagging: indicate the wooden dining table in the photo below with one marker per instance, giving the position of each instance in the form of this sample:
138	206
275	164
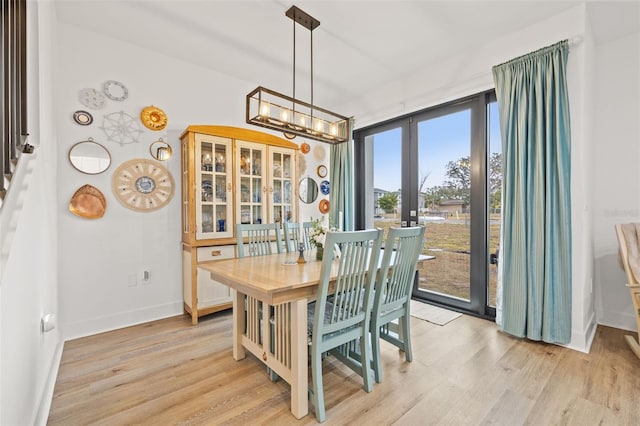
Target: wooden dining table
270	296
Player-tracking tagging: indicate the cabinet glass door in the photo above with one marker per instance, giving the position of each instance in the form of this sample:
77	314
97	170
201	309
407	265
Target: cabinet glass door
251	182
214	201
281	185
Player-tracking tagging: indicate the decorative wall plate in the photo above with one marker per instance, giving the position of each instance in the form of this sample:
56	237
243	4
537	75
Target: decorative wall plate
88	202
115	90
153	118
322	171
305	148
324	187
91	98
120	127
319	153
143	185
323	206
83	118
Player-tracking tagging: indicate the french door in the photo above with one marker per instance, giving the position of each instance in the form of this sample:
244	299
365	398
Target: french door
441	168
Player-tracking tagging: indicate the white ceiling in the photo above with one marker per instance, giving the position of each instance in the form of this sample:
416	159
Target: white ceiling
360	45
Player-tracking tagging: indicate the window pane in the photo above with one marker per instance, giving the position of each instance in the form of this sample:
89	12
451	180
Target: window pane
445	188
387	173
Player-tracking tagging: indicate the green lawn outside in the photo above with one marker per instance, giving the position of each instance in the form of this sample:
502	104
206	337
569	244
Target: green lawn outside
448	241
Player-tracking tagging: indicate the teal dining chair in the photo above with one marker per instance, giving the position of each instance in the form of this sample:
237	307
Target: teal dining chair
258	239
340	318
393	292
296	233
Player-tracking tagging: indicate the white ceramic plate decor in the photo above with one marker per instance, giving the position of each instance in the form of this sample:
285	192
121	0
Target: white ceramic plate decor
115	90
91	98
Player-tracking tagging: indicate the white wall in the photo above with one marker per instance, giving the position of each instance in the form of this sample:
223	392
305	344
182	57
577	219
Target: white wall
97	256
28	288
616	189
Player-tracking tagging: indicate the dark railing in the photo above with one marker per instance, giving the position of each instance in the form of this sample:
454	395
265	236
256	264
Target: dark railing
13	74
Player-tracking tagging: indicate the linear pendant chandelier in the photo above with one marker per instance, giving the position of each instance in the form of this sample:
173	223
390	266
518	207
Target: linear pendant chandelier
273	110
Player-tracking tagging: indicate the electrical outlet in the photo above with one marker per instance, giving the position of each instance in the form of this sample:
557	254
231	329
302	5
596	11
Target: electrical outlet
145	277
132	280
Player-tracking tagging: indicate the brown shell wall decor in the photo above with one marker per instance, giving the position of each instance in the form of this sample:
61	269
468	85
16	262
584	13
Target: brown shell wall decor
88	202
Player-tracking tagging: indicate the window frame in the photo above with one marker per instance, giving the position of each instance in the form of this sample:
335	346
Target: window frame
479	102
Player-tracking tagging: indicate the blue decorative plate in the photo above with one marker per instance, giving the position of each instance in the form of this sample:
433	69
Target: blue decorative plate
324	187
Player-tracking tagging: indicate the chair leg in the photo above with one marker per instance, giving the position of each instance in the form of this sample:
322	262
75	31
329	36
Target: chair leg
365	361
405	321
375	344
317	394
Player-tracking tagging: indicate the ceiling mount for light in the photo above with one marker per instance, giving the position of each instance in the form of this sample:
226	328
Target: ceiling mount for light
273	110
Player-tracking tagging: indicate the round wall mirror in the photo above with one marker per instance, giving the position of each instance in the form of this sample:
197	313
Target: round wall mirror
308	190
89	157
160	150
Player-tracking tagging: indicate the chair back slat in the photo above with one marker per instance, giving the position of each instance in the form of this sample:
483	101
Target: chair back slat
296	233
258	239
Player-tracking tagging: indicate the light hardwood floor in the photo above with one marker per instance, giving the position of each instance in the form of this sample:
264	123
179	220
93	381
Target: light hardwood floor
465	373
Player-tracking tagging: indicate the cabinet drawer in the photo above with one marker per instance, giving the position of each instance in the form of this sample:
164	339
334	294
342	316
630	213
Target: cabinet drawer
206	254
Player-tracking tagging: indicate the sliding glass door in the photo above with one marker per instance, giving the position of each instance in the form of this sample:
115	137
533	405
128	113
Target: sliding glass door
437	168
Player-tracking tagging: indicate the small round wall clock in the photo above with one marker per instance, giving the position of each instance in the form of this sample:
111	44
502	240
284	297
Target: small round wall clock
143	185
115	90
153	118
322	171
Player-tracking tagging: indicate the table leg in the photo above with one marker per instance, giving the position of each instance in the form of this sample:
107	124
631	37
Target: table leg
299	380
238	324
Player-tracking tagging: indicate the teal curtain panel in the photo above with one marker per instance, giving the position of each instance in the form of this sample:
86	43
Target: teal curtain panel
536	145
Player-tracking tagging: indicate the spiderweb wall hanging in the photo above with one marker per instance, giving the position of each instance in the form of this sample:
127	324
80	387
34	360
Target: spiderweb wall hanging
120	127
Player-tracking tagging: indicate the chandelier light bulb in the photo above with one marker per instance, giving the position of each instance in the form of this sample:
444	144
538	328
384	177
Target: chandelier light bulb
284	115
265	109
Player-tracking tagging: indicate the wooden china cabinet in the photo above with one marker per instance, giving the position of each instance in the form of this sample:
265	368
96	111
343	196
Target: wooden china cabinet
229	175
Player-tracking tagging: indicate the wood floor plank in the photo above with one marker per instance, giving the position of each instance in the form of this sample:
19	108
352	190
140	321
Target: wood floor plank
467	372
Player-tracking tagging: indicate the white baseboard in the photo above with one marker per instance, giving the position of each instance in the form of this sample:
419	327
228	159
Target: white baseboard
93	326
581	340
621	320
47	393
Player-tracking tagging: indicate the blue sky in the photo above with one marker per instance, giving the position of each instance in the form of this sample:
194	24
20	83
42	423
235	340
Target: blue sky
441	140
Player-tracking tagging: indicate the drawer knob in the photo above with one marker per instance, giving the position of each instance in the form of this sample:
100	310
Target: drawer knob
216	252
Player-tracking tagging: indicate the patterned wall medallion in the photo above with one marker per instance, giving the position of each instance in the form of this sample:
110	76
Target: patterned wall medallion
143	185
153	118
